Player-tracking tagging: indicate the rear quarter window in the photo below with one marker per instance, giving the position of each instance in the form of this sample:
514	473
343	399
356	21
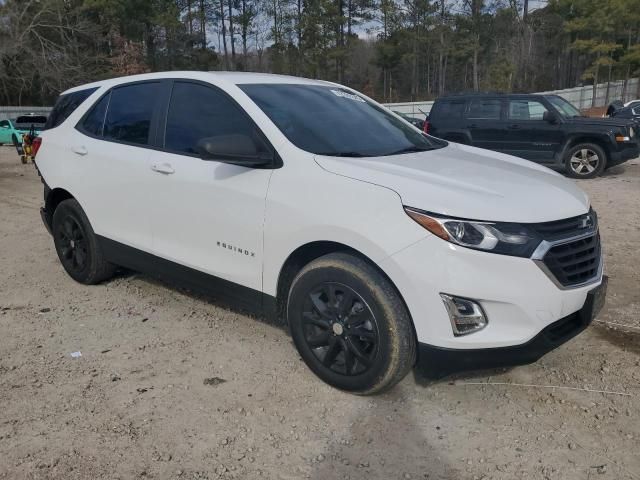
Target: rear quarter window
66	105
448	110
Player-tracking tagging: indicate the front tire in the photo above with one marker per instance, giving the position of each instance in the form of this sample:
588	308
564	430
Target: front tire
350	325
77	246
585	160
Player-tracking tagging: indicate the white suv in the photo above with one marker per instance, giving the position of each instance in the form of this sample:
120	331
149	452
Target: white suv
382	247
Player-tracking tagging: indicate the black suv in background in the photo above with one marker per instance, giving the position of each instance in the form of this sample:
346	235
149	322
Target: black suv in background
545	129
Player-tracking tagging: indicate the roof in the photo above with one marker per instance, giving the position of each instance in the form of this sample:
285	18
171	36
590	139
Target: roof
491	94
233	78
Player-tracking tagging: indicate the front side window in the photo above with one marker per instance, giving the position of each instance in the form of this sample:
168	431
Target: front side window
130	111
328	120
4	123
526	110
480	109
199	112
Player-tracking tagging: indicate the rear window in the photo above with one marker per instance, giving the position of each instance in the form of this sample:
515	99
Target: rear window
65	106
448	109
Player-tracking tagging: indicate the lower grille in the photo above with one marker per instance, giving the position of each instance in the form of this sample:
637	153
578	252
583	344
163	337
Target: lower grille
576	262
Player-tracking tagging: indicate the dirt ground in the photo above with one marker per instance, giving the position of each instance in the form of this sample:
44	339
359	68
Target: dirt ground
136	405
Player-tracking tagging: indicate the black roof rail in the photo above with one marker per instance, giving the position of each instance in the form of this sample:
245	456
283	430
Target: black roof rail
472	94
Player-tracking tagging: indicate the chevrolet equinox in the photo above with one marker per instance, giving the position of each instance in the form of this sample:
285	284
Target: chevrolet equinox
381	247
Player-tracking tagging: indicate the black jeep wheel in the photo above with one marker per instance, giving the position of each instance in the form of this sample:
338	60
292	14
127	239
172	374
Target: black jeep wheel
350	325
585	160
76	245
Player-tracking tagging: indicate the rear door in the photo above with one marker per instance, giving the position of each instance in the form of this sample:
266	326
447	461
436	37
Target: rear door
486	124
113	143
208	215
528	134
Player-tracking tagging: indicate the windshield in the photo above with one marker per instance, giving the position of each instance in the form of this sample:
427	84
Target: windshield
563	107
335	122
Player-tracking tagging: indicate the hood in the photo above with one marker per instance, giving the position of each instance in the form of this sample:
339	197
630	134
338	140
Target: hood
468	182
602	121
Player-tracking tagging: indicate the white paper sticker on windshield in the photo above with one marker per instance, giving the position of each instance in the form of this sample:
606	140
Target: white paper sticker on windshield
340	93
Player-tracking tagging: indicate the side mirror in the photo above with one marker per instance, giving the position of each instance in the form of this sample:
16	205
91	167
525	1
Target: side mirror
235	149
550	117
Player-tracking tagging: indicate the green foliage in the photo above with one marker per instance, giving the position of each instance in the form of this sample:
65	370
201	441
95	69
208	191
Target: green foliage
392	49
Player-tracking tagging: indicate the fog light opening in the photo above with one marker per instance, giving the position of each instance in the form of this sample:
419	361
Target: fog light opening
466	315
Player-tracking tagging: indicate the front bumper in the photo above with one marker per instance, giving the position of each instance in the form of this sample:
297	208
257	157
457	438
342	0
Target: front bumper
625	151
436	362
518	298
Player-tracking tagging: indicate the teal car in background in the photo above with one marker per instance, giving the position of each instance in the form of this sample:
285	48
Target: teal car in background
12	130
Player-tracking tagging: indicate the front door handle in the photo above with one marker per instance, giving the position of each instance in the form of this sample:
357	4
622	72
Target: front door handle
164	168
514	126
80	150
473	125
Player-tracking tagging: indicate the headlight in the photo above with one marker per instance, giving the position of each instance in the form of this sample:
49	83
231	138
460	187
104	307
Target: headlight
497	237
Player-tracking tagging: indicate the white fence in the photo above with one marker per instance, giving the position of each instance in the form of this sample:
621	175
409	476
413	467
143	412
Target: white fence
580	97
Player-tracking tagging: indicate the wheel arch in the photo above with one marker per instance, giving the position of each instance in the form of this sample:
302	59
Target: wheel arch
52	198
578	139
305	254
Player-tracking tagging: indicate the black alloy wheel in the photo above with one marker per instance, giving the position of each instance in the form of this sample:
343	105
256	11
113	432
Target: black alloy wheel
350	325
340	329
72	242
77	245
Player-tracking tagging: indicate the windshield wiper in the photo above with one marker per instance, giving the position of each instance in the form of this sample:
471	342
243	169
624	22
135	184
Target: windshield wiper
343	154
411	149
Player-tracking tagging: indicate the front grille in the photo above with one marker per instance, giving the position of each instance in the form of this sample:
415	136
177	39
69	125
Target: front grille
576	262
566	227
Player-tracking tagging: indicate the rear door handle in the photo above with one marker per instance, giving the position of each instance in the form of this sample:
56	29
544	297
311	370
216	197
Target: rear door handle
513	127
164	168
80	150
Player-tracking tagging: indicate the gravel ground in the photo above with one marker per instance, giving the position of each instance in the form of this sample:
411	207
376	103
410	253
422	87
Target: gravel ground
138	404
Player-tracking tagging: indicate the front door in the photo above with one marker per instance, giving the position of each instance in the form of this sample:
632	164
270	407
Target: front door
528	134
5	132
208	215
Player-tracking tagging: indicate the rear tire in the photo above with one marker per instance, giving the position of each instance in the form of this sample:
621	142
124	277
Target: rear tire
350	325
77	246
585	160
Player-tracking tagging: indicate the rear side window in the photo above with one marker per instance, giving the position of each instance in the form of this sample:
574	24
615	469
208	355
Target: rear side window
197	112
449	109
65	106
93	122
130	111
480	109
